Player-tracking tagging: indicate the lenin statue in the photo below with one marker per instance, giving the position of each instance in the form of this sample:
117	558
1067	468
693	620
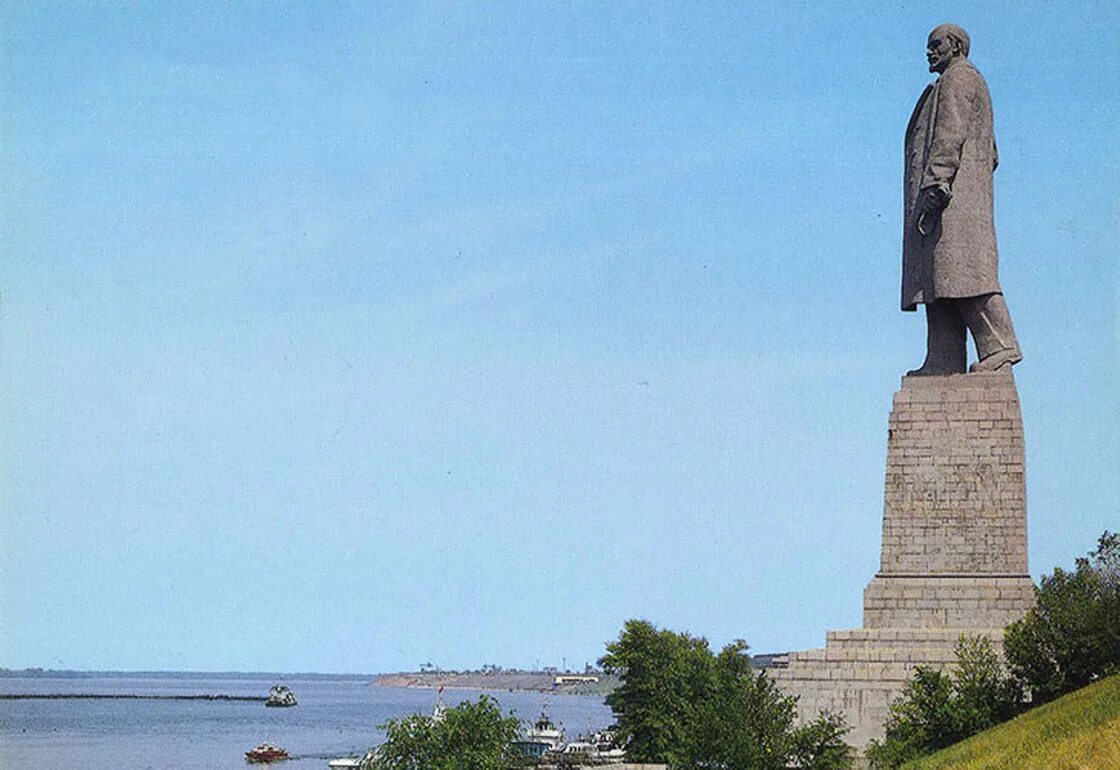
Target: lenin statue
949	258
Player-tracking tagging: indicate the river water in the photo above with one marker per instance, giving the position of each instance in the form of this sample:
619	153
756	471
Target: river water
334	718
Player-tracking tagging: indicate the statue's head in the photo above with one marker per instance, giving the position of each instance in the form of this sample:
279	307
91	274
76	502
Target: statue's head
946	43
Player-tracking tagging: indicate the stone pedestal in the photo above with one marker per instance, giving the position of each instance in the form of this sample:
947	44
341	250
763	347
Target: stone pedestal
954	552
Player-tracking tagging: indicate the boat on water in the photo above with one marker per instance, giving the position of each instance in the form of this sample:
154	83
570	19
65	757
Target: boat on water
265	752
597	749
541	737
342	763
280	696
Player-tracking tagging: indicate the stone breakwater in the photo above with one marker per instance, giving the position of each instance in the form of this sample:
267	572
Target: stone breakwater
125	696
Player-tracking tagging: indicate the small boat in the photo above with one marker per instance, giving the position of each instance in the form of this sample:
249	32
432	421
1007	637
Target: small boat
265	752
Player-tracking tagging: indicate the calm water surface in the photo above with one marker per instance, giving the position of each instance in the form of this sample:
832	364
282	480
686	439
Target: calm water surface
334	718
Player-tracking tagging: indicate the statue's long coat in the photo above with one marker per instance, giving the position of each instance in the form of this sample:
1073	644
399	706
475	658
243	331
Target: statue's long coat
950	143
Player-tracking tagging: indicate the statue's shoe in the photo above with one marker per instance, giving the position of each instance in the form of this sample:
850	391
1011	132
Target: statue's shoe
998	360
932	371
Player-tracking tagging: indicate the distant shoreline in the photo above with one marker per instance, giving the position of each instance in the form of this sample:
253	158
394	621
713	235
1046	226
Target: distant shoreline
510	681
502	680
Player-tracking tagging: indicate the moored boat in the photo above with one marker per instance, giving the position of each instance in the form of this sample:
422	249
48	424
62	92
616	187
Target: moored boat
542	737
599	748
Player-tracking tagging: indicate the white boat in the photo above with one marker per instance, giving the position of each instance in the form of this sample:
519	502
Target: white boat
540	737
352	762
597	749
280	697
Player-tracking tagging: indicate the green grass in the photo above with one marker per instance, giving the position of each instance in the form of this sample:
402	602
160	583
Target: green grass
1078	731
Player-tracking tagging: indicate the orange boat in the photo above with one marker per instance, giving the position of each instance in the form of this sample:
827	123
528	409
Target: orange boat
266	752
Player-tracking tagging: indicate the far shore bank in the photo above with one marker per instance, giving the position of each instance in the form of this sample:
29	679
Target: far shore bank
518	681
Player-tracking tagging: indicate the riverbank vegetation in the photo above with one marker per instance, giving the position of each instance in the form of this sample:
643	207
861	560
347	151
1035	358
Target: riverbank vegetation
1072	636
469	736
681	704
938	709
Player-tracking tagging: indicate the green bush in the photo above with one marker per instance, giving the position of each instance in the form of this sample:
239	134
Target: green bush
936	710
820	745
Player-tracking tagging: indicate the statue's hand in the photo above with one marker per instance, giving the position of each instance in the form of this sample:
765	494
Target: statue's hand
933	200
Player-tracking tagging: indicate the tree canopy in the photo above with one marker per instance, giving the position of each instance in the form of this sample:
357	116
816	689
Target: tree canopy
679	703
470	736
1072	635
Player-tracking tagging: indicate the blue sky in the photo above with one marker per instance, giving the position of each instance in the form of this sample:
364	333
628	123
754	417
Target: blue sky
349	338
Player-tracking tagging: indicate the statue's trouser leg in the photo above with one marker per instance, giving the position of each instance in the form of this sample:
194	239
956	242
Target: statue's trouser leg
989	321
946	351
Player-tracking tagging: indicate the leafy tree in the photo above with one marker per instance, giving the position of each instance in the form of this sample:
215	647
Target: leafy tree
936	710
679	703
741	721
470	736
1072	635
984	694
663	676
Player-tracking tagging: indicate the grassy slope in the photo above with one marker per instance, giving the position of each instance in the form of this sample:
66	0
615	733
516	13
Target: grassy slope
1080	730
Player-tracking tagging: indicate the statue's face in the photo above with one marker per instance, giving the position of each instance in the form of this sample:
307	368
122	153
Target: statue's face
940	50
